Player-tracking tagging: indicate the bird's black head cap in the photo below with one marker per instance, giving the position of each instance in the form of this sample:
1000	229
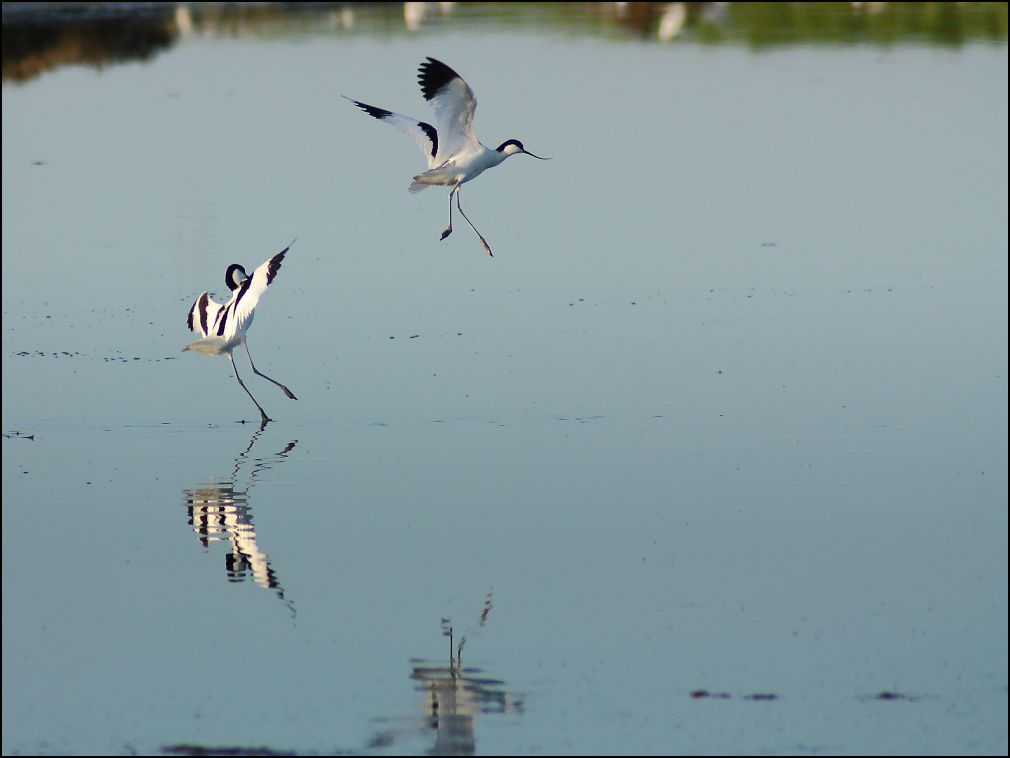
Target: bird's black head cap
506	143
234	276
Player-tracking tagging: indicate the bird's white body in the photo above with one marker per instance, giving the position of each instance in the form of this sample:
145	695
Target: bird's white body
460	169
227	324
453	153
224	327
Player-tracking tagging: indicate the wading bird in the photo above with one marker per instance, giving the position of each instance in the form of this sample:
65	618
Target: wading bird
224	327
454	154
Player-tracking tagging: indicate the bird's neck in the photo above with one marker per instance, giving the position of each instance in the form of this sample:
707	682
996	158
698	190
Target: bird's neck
493	157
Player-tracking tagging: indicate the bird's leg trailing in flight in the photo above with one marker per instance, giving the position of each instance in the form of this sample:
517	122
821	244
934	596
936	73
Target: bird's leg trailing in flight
481	236
448	229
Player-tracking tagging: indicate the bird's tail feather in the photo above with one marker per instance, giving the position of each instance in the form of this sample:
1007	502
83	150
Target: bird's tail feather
207	346
443	176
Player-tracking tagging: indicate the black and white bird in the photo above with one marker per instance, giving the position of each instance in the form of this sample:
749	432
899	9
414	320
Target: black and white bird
454	154
224	327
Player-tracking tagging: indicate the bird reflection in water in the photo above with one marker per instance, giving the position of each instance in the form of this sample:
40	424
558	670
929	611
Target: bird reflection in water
220	512
453	696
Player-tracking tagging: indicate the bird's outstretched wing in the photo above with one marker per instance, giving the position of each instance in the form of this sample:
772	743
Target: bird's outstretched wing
237	314
454	103
423	134
203	314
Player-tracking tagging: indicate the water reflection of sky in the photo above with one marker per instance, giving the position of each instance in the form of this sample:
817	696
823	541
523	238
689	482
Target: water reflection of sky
725	413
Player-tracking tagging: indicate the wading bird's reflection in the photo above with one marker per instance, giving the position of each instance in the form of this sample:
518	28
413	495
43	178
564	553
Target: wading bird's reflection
220	512
453	696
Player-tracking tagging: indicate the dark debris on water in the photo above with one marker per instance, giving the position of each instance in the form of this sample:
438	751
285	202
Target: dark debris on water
702	694
19	435
106	359
888	695
186	749
201	750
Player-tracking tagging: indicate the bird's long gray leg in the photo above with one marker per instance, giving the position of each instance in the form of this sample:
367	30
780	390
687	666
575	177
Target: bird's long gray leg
482	240
263	416
256	371
448	229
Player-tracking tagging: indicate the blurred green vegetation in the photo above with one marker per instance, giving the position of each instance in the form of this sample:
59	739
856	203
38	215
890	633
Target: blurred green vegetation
880	24
42	36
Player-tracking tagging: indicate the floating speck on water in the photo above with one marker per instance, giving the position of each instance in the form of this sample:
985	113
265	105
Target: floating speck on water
889	695
701	694
212	750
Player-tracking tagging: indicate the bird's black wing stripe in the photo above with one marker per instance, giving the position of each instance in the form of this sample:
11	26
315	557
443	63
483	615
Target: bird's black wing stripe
432	75
275	265
222	319
189	318
371	110
203	313
432	135
238	299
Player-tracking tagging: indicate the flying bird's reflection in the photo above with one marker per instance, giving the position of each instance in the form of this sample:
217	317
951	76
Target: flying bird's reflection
453	695
220	512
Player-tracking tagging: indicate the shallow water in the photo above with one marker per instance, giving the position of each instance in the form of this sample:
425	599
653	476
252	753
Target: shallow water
726	413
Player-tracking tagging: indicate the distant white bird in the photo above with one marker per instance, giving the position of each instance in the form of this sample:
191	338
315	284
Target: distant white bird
224	327
454	154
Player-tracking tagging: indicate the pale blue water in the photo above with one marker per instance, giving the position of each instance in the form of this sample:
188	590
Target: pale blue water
726	411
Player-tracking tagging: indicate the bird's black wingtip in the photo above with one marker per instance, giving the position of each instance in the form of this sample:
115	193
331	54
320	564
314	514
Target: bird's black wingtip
433	75
371	110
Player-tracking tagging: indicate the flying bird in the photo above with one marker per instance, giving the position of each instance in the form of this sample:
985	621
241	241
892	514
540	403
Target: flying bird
224	327
454	154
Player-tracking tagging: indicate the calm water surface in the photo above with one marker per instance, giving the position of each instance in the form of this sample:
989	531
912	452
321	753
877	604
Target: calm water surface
710	457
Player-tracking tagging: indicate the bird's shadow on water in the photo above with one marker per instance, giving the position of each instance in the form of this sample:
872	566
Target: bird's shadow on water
220	511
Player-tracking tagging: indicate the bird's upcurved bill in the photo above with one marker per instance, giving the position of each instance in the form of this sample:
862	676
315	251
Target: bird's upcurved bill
527	152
